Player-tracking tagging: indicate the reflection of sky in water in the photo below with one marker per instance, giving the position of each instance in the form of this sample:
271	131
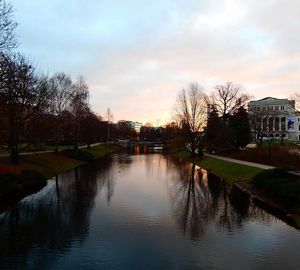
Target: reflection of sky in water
143	212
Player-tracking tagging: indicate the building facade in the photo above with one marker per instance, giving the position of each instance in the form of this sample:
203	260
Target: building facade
275	118
130	124
137	127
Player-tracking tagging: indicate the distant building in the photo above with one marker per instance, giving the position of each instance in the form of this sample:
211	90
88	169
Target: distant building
137	126
134	125
273	117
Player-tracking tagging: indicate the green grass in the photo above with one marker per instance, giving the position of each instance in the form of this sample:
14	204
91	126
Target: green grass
229	171
49	164
40	147
182	153
36	168
101	150
277	143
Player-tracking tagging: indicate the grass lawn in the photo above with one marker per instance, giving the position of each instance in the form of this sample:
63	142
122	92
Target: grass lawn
48	164
32	170
101	150
229	171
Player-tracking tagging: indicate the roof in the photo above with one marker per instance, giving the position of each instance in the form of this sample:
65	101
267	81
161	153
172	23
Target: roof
271	98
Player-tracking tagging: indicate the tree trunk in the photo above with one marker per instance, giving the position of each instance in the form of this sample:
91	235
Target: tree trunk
15	155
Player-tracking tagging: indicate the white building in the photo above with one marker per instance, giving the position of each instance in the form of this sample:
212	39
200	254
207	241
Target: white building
137	126
134	125
273	117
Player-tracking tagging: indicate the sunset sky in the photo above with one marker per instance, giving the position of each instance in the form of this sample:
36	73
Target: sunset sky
136	55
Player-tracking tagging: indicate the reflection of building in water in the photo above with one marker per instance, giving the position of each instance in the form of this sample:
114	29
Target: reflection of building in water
273	117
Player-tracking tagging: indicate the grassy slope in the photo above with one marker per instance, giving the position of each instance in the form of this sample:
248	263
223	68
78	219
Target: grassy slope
50	164
229	171
101	150
46	164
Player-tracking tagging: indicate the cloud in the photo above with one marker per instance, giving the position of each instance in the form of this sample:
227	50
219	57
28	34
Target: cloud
136	55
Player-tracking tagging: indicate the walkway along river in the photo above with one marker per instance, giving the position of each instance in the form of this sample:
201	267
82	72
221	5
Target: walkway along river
147	211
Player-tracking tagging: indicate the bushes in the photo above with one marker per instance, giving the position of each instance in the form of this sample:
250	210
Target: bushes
15	185
79	155
281	184
275	156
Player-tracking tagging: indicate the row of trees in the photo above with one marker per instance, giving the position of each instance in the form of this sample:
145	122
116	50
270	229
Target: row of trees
221	116
35	108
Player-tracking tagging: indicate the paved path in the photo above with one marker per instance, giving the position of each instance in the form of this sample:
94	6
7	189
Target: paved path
49	151
238	161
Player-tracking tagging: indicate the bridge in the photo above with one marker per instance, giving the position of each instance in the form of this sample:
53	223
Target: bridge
149	144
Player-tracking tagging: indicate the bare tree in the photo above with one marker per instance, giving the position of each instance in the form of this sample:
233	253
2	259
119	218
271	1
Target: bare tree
79	105
227	99
191	112
23	94
90	121
61	86
7	26
296	97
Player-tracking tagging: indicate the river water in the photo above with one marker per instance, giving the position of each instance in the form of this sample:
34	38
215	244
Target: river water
143	212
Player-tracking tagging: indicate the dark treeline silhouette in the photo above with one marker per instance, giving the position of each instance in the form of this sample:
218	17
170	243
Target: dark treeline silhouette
37	109
163	133
228	126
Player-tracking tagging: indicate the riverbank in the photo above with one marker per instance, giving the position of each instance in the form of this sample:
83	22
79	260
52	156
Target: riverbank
229	171
274	197
14	183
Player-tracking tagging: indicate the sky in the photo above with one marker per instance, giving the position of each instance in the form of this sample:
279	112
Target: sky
136	55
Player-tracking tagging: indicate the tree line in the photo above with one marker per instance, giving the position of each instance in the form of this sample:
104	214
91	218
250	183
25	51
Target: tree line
36	108
218	121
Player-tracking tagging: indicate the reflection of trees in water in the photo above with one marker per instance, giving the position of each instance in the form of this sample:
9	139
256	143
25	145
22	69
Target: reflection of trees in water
199	199
191	200
53	218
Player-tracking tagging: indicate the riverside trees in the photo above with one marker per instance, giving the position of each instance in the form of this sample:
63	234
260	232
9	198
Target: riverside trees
61	86
23	95
220	117
191	113
228	123
34	108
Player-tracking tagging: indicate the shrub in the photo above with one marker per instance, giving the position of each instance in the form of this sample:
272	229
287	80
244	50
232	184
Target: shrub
79	155
11	184
32	177
281	184
277	156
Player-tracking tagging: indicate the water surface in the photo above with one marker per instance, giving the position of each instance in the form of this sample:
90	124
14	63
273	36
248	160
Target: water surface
143	212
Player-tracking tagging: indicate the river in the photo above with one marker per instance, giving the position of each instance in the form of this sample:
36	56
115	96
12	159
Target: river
143	211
